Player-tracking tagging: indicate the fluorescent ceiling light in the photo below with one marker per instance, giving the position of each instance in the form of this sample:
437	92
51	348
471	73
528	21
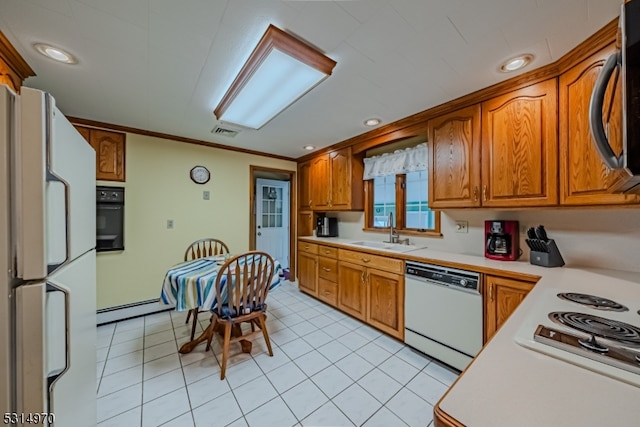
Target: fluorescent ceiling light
55	53
279	71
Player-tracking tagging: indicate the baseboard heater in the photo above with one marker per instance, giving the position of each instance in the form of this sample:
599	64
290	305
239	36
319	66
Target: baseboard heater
128	311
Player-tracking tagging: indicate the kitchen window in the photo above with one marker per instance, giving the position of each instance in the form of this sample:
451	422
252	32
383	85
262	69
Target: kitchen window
397	182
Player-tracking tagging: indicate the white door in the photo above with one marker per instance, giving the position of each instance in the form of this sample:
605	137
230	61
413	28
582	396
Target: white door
272	219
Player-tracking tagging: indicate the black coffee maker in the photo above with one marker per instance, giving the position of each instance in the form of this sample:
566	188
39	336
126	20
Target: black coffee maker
326	227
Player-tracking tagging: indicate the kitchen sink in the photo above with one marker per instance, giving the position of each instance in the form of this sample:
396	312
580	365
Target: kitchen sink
394	247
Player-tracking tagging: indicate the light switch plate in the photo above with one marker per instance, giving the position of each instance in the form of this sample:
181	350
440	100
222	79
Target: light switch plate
205	195
462	226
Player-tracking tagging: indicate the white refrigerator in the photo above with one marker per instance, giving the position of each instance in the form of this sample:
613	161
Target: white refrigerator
47	265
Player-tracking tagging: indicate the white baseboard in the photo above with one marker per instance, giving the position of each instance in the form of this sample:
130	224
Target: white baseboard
128	311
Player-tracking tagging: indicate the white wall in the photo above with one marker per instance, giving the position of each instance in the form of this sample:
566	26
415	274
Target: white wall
599	238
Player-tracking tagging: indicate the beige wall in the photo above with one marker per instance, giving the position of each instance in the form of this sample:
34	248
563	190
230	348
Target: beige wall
158	188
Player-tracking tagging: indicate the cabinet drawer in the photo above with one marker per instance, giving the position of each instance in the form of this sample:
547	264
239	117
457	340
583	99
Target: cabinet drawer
328	251
328	269
391	265
328	291
307	247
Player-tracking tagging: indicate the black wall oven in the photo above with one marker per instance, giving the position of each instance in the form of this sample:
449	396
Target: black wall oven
109	219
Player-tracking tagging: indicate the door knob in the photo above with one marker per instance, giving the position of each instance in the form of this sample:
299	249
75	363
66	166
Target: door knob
259	233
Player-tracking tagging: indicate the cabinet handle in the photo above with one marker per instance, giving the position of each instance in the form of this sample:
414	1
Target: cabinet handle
326	269
306	247
309	202
327	252
491	291
365	260
475	193
484	193
362	278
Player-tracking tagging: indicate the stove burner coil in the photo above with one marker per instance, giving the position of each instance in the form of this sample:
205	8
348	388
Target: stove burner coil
598	326
599	303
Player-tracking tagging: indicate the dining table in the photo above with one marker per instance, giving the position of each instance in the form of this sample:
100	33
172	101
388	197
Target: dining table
192	284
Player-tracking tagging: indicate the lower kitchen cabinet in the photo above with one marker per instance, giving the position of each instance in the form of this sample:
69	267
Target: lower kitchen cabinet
308	268
501	297
372	295
352	291
385	307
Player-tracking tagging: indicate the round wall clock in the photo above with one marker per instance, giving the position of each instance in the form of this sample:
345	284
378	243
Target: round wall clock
200	174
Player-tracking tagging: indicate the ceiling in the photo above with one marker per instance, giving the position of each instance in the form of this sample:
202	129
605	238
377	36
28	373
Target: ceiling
163	65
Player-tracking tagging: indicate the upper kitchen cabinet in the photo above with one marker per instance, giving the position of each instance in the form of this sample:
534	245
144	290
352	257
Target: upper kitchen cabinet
454	159
110	152
335	181
304	180
13	68
584	178
520	147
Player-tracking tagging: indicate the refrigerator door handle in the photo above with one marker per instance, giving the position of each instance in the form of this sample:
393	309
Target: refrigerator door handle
53	377
52	178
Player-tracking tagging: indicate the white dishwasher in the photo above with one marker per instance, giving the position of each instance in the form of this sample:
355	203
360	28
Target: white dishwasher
443	312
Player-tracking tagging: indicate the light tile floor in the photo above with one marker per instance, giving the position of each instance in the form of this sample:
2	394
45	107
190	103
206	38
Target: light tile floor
328	369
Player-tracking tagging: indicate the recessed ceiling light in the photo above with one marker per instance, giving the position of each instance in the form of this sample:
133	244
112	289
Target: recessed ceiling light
372	122
309	147
55	53
516	63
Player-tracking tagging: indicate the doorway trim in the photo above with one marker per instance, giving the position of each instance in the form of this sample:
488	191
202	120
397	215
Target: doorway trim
293	204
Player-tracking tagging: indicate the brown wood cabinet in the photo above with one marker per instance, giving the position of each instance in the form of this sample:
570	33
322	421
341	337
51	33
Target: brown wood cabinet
352	291
304	183
501	297
13	68
331	182
328	274
110	152
520	147
305	223
371	288
584	178
454	158
308	267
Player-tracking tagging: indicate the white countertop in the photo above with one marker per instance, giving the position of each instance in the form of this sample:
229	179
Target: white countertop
510	385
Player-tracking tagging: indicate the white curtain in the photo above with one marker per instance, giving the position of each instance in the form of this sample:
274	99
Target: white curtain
400	161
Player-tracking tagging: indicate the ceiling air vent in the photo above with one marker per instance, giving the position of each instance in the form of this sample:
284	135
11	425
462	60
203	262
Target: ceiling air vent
229	133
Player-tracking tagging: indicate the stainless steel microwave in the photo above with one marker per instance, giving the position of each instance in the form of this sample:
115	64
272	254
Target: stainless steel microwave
627	61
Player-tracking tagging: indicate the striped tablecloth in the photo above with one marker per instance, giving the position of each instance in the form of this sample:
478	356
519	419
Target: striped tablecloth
191	284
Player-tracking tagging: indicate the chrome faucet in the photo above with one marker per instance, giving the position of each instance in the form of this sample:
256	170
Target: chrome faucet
394	237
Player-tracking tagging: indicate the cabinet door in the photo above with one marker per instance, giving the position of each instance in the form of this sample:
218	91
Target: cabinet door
321	182
352	292
385	299
502	296
308	273
304	181
454	158
305	223
584	178
520	147
339	167
109	148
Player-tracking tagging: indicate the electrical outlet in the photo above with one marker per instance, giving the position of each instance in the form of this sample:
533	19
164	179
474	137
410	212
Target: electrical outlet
462	226
169	223
206	195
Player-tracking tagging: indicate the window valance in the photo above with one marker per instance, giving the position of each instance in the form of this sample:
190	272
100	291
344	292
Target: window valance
399	162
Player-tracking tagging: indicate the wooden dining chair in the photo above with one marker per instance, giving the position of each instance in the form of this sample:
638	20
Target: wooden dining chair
200	249
241	290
